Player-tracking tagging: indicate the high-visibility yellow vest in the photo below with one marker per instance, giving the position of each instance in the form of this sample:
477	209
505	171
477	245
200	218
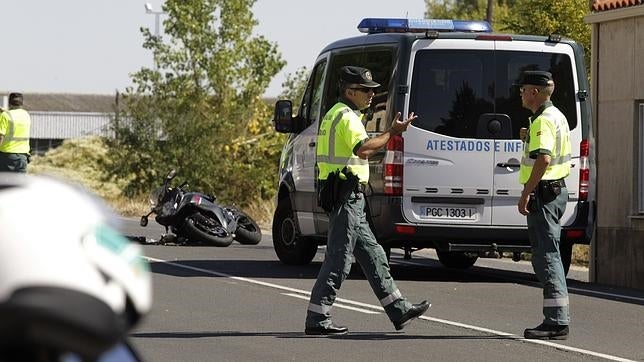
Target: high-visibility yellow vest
15	125
549	134
340	131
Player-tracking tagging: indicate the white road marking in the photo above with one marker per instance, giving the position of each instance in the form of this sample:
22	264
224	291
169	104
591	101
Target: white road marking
304	295
338	305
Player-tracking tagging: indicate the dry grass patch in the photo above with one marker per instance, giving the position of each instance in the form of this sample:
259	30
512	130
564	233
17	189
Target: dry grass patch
580	255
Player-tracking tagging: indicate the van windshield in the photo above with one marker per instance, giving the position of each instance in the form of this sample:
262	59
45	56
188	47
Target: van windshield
455	91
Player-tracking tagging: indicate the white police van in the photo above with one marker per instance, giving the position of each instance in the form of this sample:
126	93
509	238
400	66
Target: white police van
450	182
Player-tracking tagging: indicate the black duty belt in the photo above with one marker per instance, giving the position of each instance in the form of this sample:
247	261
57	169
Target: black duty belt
11	153
560	182
362	187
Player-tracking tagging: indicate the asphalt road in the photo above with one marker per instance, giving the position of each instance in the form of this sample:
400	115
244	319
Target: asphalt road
241	304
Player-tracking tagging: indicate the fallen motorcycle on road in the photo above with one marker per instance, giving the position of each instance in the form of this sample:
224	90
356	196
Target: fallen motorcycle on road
197	218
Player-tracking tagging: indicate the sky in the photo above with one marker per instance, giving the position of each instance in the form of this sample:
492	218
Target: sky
92	46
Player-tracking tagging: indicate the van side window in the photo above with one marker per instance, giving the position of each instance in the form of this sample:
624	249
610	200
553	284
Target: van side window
455	90
380	61
310	109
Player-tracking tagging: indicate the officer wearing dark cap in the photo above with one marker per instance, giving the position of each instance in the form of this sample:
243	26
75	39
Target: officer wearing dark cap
343	149
15	126
544	165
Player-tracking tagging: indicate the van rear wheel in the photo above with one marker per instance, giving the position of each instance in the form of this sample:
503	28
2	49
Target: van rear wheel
456	259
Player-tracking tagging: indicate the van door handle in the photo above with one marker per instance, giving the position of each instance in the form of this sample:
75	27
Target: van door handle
505	165
312	144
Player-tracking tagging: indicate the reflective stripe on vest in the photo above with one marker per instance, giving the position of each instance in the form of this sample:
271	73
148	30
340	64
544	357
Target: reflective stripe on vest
559	166
332	162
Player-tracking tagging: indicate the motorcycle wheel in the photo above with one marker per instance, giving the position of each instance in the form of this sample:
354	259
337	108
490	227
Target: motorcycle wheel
248	232
202	228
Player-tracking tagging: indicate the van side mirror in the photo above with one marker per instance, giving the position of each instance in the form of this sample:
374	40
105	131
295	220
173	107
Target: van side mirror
283	117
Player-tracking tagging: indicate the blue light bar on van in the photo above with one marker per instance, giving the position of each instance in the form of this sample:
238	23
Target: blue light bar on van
383	25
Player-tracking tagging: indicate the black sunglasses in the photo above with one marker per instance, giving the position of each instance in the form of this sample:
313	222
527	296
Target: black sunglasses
363	89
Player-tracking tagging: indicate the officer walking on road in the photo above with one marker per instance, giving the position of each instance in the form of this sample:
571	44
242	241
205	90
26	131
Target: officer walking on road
342	152
545	164
15	125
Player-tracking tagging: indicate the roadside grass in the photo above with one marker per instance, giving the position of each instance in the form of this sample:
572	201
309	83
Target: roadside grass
580	255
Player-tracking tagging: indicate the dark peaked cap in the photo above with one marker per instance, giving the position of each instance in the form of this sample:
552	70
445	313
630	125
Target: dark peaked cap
358	75
536	77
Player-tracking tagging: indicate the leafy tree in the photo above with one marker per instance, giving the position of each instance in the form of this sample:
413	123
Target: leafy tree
468	10
545	17
200	110
536	17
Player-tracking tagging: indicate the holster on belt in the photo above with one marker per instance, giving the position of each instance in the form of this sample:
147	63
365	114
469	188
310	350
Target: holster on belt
336	189
548	190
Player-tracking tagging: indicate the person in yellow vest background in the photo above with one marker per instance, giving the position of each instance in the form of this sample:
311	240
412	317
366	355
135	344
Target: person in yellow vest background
343	150
545	164
15	126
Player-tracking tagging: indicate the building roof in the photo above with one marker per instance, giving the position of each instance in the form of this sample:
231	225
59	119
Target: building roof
65	102
604	5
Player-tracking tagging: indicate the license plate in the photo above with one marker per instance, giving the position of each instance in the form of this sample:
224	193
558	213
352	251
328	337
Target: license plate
451	213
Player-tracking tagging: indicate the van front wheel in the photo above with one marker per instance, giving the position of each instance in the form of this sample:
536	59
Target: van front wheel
290	248
456	259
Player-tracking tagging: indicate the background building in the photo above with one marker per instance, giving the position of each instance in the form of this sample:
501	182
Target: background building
617	78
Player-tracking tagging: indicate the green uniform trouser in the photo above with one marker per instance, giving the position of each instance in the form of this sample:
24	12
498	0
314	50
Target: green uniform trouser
544	231
13	162
349	233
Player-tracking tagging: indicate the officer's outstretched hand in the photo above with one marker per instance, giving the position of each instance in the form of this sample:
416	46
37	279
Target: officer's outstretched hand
398	126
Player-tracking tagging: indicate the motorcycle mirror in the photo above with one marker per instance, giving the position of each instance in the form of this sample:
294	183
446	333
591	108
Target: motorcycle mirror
172	174
144	221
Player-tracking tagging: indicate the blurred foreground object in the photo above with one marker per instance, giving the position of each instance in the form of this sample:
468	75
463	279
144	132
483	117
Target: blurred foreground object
71	287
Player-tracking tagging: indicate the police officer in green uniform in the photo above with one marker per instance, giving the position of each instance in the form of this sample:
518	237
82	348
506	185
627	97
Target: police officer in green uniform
15	125
343	145
545	164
